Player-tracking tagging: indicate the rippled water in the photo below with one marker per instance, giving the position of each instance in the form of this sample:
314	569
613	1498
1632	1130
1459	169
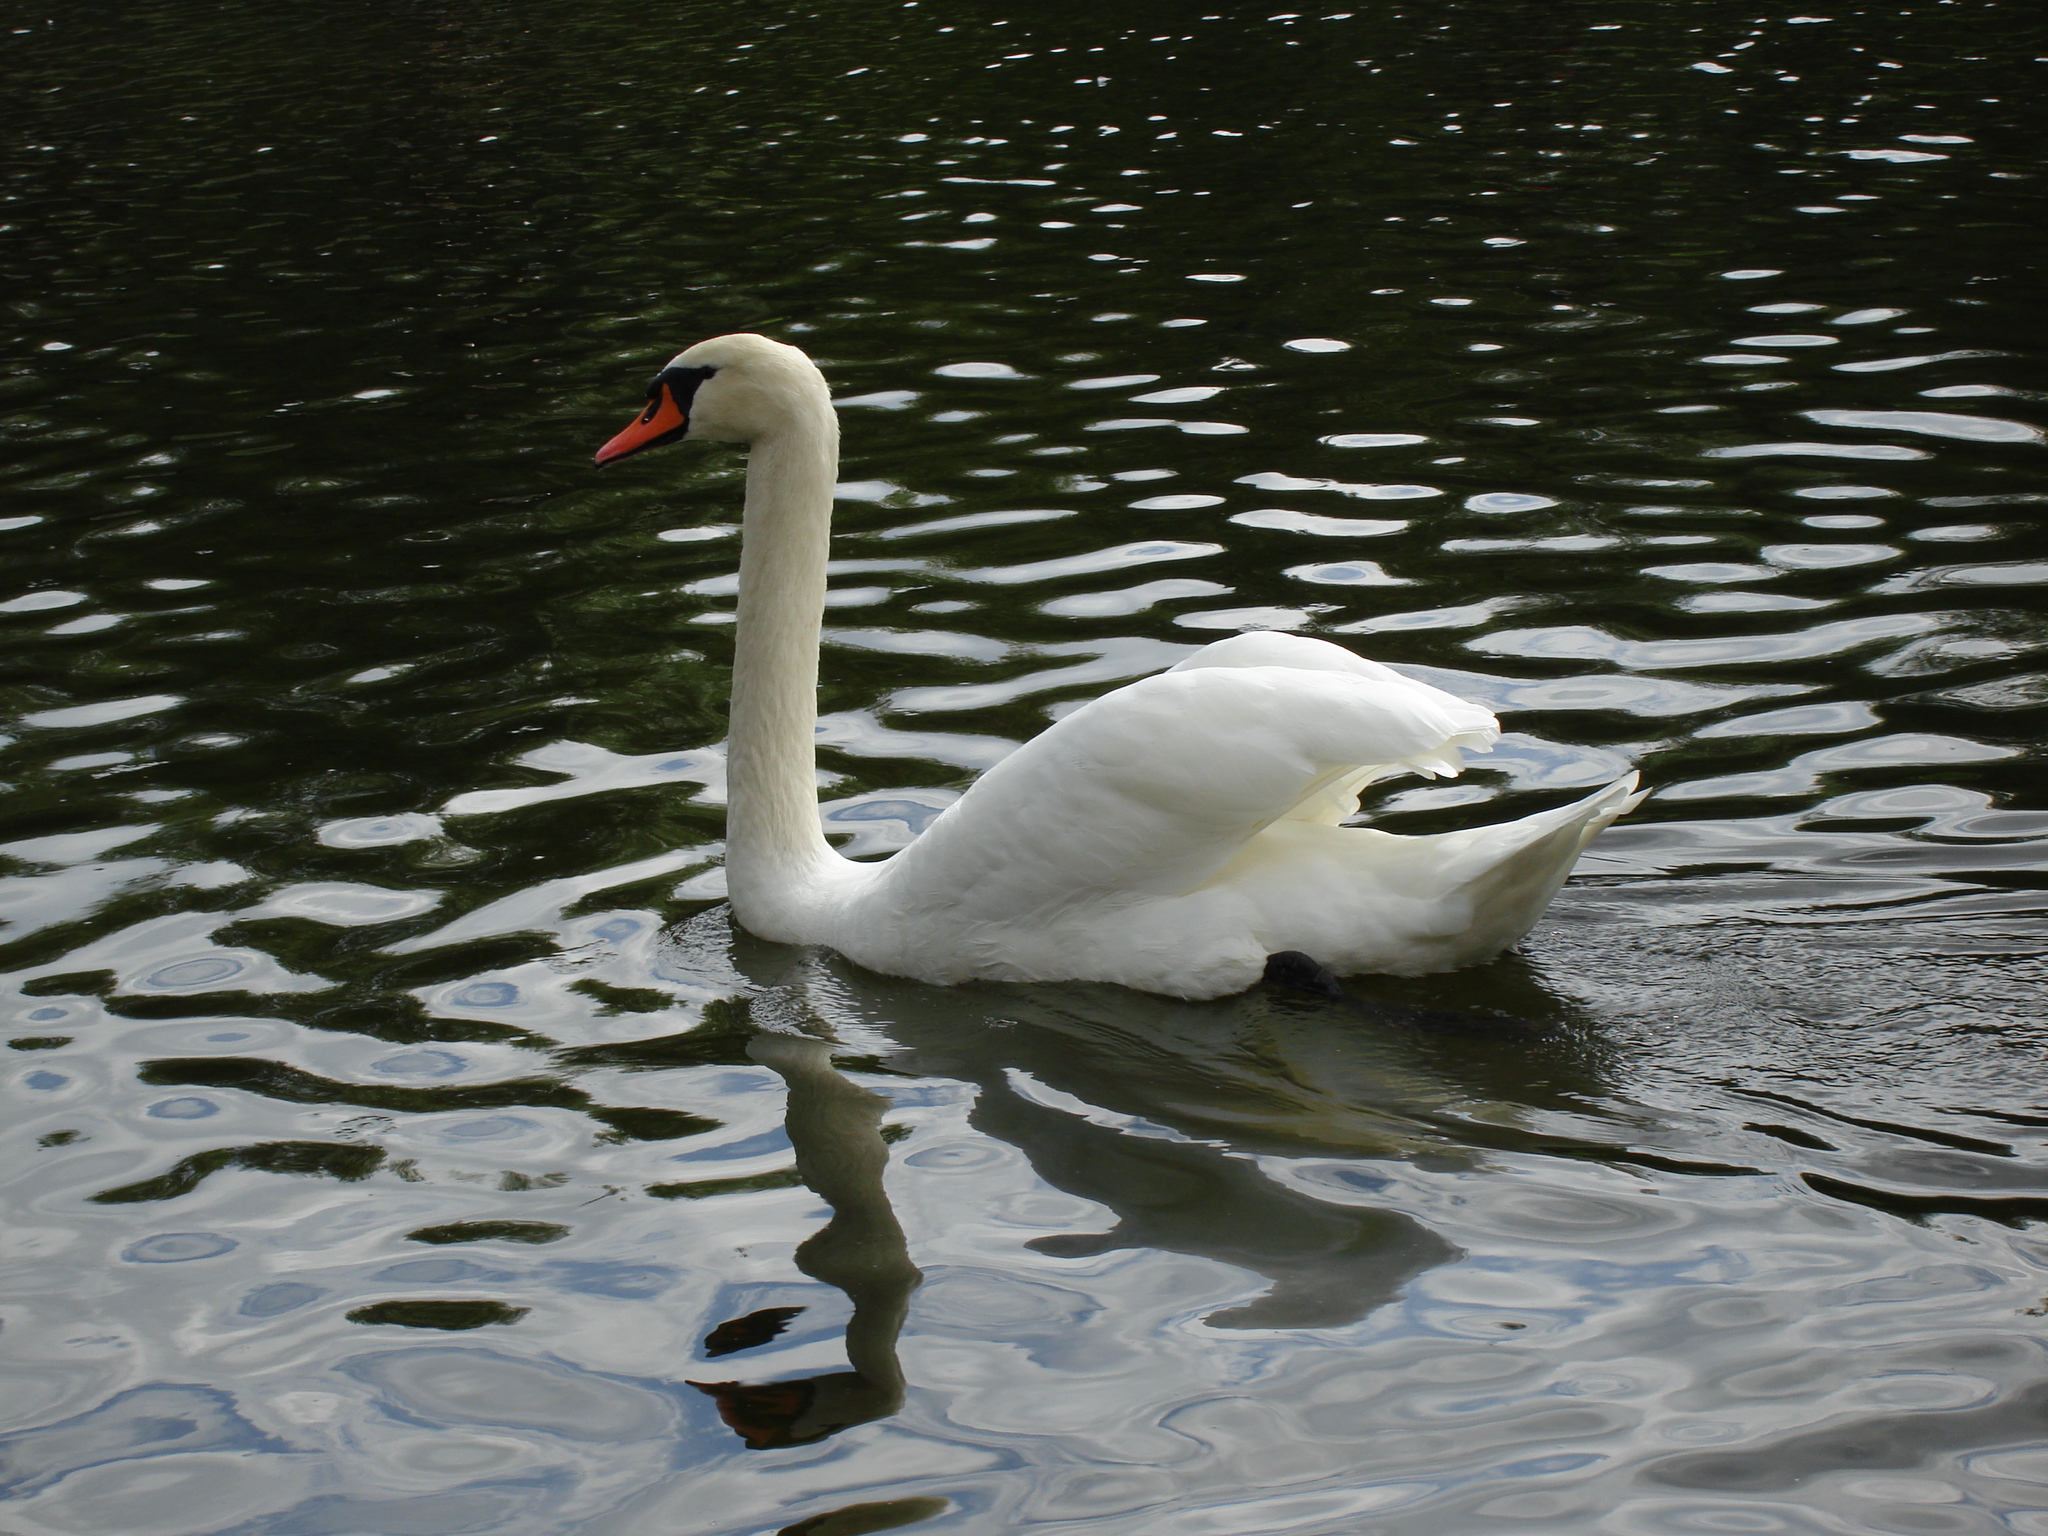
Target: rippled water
393	1145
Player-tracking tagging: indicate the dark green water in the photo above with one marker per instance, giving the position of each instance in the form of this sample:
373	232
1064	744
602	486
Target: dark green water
386	1125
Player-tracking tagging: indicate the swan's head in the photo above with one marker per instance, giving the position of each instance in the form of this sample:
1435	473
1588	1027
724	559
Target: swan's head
729	389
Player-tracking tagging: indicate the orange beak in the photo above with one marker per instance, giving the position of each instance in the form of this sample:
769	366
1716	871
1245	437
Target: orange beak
663	421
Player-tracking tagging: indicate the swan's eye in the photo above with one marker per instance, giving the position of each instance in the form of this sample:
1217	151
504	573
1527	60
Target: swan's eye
684	381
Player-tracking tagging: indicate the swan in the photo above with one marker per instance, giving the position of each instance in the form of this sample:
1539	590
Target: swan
1168	836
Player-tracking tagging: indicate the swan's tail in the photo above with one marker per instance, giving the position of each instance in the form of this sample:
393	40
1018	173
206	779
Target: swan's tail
1505	875
1361	900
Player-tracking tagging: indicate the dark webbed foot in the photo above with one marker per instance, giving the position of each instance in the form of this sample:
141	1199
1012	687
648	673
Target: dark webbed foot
1291	968
1298	972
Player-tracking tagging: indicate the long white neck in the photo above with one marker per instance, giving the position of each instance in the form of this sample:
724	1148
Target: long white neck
776	854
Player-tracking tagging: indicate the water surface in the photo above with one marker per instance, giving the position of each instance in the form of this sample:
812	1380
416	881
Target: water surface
399	1140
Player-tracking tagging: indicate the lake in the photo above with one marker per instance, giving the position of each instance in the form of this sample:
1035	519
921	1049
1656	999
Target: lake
400	1141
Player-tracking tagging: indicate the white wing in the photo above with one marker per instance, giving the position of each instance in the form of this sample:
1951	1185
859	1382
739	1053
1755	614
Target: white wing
1153	789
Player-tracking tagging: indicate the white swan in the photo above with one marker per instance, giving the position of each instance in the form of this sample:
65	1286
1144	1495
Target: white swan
1168	836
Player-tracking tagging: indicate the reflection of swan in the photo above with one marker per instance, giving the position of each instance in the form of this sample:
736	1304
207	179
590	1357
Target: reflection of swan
1168	836
1328	1262
840	1154
1257	1132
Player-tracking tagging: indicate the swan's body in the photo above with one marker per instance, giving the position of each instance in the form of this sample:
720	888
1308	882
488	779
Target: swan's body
1168	836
